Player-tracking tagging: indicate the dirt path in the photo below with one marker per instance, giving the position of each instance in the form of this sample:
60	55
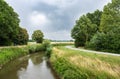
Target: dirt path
91	51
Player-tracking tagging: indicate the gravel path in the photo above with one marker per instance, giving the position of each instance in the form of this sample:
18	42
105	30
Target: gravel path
91	51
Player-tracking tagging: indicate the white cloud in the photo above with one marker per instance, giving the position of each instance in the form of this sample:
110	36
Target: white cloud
38	19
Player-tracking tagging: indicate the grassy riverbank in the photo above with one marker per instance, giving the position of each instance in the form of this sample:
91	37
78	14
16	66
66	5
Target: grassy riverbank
8	54
73	64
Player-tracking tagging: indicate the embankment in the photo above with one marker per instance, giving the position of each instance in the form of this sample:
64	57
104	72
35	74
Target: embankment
71	64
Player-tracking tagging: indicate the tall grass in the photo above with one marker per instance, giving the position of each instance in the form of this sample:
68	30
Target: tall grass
70	64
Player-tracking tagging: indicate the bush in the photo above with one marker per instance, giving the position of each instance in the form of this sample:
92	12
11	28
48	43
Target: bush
46	43
49	51
36	48
79	42
47	48
106	42
97	42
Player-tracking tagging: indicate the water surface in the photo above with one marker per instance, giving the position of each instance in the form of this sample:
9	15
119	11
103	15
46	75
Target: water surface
33	66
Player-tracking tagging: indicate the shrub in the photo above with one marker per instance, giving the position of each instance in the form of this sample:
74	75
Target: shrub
46	43
97	42
49	51
36	48
32	48
79	42
106	42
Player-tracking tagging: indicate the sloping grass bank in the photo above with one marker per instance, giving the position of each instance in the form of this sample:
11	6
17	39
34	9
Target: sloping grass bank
73	64
10	53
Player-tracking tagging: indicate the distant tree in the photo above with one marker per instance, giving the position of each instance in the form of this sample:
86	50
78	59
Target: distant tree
22	37
9	24
83	31
38	36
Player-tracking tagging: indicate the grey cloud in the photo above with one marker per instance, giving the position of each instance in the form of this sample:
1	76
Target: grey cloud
62	15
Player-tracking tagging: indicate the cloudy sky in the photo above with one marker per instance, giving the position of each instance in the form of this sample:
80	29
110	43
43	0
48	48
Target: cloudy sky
55	18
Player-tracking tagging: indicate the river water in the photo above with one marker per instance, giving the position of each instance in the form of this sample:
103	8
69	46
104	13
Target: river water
33	66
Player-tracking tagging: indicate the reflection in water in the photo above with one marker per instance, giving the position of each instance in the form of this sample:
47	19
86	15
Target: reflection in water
32	67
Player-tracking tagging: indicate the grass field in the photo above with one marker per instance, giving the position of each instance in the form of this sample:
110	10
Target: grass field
84	65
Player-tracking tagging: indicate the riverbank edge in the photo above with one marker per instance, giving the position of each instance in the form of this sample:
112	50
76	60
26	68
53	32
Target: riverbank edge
11	53
63	68
66	70
53	70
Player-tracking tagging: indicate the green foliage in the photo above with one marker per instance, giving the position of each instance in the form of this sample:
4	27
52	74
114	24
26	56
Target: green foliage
48	48
67	69
84	29
36	48
38	36
79	42
46	43
95	17
109	38
22	37
97	42
48	51
8	54
105	42
9	24
110	17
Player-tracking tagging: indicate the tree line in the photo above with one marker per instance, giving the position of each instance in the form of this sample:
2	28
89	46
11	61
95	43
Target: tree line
99	30
10	31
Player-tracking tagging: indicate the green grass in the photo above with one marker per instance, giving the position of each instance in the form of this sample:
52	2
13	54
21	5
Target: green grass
8	54
84	65
106	58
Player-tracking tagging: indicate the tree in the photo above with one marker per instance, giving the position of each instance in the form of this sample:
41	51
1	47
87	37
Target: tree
110	26
38	36
22	37
111	17
9	24
109	37
95	18
83	31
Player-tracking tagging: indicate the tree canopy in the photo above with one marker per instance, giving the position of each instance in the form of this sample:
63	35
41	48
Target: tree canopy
110	20
38	36
22	37
86	27
9	24
99	30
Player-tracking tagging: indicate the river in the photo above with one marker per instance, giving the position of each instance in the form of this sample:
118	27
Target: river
33	66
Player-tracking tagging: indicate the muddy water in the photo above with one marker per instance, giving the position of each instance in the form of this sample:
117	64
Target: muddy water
33	66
